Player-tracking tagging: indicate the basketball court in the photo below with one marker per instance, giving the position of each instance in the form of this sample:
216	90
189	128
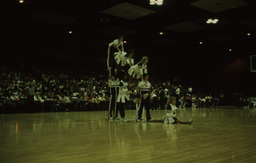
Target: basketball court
216	135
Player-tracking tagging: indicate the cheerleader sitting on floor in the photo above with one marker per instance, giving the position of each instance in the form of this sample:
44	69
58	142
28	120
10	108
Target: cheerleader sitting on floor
170	117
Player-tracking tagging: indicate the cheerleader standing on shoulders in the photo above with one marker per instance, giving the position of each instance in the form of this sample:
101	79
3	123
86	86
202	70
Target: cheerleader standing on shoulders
123	97
129	64
144	93
137	71
114	88
170	117
118	45
121	61
129	59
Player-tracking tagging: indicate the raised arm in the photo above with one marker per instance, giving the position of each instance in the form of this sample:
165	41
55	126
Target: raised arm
122	45
138	91
109	74
117	47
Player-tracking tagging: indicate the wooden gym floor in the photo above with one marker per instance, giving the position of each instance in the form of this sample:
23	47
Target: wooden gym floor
216	135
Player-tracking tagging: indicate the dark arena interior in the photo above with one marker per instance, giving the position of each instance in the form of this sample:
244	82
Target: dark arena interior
128	81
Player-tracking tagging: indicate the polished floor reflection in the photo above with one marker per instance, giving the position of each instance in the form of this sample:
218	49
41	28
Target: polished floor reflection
216	135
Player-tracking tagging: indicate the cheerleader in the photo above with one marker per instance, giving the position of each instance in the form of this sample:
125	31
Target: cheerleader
114	88
171	113
143	91
123	97
117	43
137	71
120	58
129	64
129	58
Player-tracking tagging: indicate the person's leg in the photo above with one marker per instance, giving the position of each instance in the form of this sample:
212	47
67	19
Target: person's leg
182	122
135	83
140	105
112	107
147	107
154	105
109	107
117	109
121	107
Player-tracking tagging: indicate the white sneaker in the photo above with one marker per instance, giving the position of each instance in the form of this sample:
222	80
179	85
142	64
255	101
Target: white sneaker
190	122
150	120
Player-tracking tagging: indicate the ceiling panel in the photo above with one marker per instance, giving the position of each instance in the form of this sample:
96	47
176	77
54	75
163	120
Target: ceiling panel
113	31
51	18
127	11
216	6
184	27
249	23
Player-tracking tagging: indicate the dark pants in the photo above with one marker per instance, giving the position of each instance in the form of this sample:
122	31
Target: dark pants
112	110
155	103
144	102
121	109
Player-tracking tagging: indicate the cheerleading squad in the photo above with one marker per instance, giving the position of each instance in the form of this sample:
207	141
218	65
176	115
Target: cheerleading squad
129	79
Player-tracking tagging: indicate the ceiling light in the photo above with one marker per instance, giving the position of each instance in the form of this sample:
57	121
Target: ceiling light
70	32
201	43
209	21
159	2
21	1
215	21
248	34
161	33
230	50
152	2
125	42
155	2
212	21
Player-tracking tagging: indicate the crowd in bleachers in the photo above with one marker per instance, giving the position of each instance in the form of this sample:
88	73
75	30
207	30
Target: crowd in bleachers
244	101
50	84
70	89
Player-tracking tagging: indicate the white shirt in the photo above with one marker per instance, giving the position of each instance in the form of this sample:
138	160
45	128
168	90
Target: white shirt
171	112
113	83
189	89
130	61
177	91
123	94
144	87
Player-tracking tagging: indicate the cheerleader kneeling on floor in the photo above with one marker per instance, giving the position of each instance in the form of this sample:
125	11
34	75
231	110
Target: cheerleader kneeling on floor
171	109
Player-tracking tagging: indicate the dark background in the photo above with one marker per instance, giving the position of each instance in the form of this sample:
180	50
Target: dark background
36	32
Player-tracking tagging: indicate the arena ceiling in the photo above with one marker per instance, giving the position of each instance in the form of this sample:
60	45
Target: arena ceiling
182	22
